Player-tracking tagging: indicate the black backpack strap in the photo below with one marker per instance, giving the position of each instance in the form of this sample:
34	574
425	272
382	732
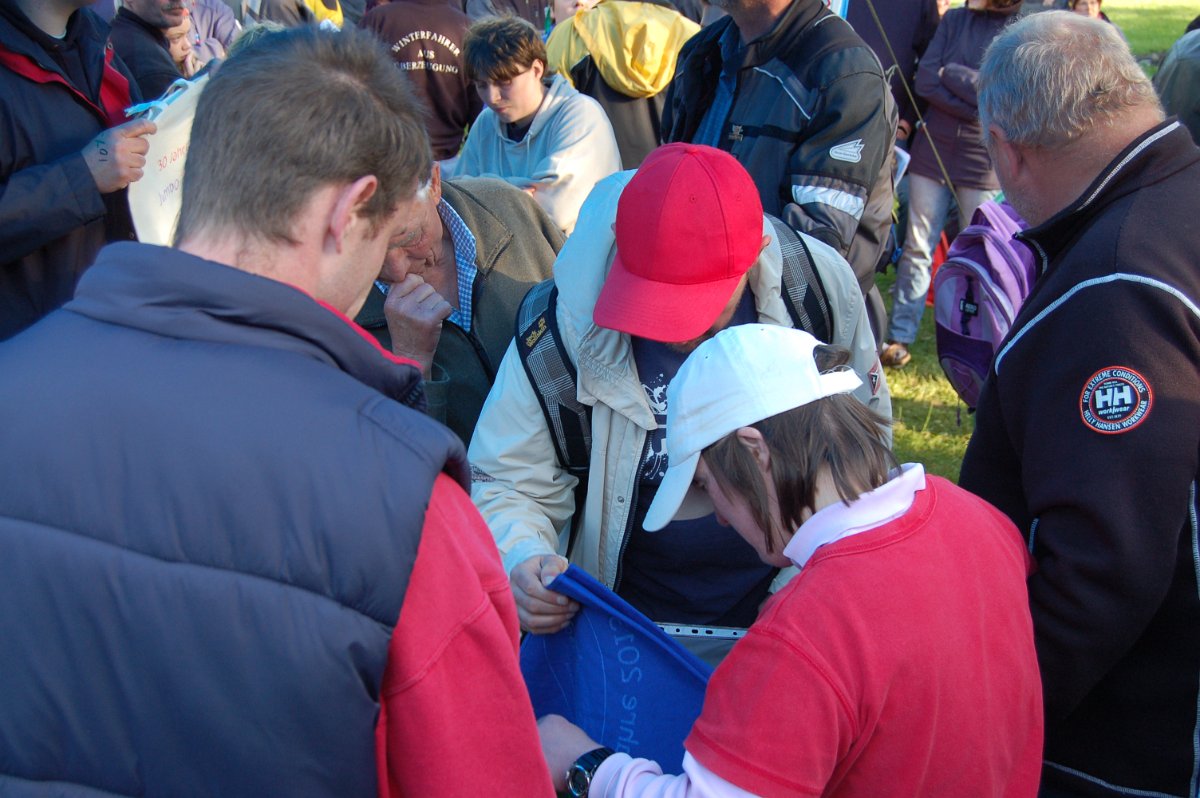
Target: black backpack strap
554	380
803	292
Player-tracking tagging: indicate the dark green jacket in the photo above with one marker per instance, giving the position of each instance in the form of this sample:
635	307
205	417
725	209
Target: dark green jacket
515	246
1178	82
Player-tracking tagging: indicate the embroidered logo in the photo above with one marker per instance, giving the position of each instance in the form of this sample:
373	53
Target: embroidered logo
1115	400
850	152
654	468
479	475
532	338
874	376
736	133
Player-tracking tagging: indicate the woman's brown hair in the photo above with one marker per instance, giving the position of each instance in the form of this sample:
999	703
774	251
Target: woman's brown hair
837	433
500	48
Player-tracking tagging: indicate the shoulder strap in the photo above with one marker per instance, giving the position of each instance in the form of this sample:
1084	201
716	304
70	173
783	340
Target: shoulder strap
554	381
1000	216
803	292
553	377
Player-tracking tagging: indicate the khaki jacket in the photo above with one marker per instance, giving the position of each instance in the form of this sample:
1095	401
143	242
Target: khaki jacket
523	493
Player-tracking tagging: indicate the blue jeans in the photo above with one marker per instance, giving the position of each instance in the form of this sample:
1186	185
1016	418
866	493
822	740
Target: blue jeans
928	203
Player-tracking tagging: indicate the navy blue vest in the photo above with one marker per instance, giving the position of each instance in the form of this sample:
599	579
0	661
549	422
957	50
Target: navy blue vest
208	517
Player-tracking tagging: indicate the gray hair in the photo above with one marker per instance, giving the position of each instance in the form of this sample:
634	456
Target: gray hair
252	32
1049	78
290	113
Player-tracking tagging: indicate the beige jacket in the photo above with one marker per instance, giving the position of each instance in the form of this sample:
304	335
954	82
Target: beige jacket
524	495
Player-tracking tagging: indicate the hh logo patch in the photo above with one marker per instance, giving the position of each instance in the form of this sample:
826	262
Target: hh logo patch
1115	400
850	152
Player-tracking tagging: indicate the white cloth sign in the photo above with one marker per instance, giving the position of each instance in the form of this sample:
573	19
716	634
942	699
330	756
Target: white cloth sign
154	201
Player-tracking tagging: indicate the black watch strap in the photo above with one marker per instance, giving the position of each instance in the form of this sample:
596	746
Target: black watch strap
579	776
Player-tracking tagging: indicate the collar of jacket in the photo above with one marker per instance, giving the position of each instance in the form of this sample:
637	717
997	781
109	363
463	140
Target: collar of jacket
124	13
473	212
1156	154
23	56
557	92
604	358
800	17
26	32
171	293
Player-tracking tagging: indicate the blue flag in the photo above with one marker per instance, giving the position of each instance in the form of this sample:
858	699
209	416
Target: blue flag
616	675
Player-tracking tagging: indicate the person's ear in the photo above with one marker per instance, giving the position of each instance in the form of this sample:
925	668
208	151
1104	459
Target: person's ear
435	183
1007	159
754	442
348	204
762	248
538	67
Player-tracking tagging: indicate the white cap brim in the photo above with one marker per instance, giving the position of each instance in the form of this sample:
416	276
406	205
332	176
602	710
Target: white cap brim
740	376
677	499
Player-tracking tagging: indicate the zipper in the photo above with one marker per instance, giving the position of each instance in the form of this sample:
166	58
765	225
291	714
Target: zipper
1043	259
633	498
476	293
484	360
989	285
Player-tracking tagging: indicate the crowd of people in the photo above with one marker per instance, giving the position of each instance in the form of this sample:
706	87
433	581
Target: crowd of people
461	294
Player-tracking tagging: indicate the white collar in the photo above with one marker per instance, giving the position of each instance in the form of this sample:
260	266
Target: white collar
870	510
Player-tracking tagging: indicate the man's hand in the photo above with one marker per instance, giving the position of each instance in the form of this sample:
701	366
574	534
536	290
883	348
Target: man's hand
117	156
541	611
414	313
562	743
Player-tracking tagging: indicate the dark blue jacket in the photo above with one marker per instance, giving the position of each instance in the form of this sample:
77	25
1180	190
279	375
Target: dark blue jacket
144	49
210	504
1088	437
812	121
53	218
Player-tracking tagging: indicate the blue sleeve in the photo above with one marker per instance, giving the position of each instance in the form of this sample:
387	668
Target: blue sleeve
44	202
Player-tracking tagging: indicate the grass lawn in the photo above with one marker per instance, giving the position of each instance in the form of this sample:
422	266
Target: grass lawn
1151	26
931	425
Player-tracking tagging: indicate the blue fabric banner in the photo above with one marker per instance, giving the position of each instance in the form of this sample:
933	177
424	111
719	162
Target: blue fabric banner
615	674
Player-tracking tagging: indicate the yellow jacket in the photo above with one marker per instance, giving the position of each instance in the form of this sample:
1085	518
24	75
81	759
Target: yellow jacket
633	45
322	11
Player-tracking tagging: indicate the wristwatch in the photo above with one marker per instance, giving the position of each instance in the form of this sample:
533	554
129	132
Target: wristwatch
579	776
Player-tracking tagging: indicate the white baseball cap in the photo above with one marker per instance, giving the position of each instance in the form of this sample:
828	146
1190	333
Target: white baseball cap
740	376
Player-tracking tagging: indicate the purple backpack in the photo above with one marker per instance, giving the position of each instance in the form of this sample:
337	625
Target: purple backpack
977	293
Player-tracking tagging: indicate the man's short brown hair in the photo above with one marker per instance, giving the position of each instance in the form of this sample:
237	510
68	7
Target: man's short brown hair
291	113
500	48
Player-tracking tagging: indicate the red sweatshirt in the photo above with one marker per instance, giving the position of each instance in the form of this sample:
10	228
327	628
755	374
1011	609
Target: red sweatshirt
453	656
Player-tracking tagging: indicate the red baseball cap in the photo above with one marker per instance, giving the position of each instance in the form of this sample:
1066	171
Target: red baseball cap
689	225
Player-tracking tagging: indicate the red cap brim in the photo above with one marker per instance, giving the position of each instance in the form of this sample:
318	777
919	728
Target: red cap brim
666	312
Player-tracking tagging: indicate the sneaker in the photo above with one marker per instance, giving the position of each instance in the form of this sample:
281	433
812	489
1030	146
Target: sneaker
895	355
